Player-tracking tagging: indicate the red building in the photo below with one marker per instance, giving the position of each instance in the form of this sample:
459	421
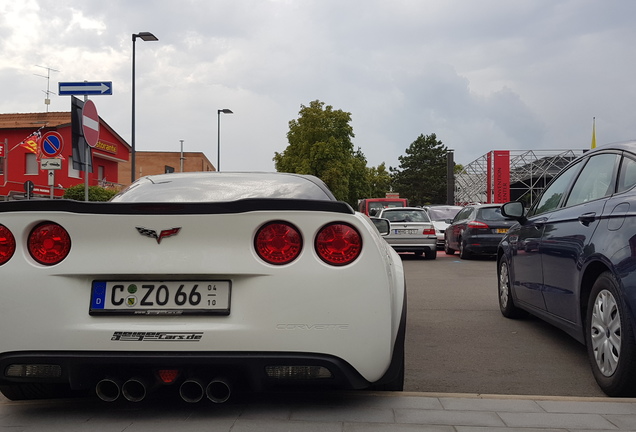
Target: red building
21	161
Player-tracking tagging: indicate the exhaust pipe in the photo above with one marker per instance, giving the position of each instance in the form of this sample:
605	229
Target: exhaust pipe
192	391
108	389
134	390
218	390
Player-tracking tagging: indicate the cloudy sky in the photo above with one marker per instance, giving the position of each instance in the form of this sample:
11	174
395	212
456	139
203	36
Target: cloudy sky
481	74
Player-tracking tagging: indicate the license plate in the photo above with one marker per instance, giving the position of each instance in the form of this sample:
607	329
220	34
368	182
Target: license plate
501	230
160	298
405	231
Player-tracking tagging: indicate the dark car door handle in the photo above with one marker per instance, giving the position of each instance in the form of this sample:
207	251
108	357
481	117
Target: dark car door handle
587	218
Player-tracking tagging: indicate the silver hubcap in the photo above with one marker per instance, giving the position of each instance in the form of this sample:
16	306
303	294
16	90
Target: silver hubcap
606	332
504	290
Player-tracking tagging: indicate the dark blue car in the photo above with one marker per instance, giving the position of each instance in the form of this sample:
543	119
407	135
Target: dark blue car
571	261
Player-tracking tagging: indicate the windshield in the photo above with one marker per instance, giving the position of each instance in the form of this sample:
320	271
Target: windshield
443	213
406	216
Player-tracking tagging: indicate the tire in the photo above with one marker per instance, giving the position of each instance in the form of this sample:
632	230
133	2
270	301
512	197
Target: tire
447	248
463	253
504	291
430	254
609	338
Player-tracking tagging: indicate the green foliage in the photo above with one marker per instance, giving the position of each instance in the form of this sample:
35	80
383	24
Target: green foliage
320	144
95	193
421	176
380	181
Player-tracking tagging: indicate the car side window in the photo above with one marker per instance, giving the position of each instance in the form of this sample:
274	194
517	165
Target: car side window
627	175
463	214
554	192
595	181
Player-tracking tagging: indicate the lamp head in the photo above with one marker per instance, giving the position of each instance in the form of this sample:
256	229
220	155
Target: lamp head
146	36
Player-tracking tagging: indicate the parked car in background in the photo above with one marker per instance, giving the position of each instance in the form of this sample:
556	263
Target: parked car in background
476	230
198	284
441	216
571	261
411	231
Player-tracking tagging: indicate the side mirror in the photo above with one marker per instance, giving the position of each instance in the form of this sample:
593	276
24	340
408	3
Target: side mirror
513	210
382	225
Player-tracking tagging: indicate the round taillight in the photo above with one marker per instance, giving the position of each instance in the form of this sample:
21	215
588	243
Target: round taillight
338	244
7	244
278	243
49	243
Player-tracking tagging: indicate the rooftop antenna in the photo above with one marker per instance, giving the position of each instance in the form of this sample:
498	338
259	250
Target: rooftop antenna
47	101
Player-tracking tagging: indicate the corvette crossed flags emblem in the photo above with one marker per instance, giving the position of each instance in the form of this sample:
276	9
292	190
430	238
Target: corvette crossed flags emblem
163	234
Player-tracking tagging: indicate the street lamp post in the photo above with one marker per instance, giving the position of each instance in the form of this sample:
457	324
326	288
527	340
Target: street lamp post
218	150
145	36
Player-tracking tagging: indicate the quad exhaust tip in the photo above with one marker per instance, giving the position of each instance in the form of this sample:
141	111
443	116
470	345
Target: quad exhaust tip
192	390
135	389
108	389
219	390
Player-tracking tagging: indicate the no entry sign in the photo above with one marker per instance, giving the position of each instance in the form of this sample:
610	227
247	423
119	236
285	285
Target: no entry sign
90	123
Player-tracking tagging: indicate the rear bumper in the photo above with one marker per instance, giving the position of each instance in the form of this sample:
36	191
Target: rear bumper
483	245
83	370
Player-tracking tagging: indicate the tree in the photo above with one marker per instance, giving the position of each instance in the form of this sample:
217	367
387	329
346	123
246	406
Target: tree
95	193
320	144
421	176
379	181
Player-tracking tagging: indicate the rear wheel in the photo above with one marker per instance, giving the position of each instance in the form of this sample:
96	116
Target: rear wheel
463	253
609	339
447	248
506	303
430	254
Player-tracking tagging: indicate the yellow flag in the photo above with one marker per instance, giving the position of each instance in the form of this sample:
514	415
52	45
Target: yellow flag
594	132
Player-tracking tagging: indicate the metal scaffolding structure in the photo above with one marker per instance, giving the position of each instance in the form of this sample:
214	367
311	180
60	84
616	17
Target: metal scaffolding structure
530	171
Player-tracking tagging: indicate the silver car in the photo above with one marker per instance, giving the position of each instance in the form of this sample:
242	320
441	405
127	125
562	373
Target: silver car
411	231
441	215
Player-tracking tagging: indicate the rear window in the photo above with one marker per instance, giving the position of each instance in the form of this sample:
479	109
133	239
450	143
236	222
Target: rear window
443	213
490	214
406	216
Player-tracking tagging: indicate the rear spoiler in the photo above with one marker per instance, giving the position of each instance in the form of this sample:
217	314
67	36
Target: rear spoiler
169	208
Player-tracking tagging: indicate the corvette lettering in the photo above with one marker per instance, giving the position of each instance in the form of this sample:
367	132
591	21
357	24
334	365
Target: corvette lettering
157	336
162	234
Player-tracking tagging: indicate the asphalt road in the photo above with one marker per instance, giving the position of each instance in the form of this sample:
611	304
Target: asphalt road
458	341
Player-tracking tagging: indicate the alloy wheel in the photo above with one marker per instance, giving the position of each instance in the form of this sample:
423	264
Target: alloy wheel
605	326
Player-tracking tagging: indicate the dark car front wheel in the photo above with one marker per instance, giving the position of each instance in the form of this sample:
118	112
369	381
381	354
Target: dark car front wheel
506	303
609	339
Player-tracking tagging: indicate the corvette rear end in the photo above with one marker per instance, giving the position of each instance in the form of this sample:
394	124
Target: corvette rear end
125	298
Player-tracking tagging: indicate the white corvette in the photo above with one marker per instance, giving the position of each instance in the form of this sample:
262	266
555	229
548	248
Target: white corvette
198	284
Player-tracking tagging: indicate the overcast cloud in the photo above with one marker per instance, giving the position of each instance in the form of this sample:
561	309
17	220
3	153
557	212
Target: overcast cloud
481	74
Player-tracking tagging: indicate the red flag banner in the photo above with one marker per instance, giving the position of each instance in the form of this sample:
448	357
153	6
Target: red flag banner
32	142
501	176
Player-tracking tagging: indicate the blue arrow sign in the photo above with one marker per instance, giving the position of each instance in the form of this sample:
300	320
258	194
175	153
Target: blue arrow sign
85	88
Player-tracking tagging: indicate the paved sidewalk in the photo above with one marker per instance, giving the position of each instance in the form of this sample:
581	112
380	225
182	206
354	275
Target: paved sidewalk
327	412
